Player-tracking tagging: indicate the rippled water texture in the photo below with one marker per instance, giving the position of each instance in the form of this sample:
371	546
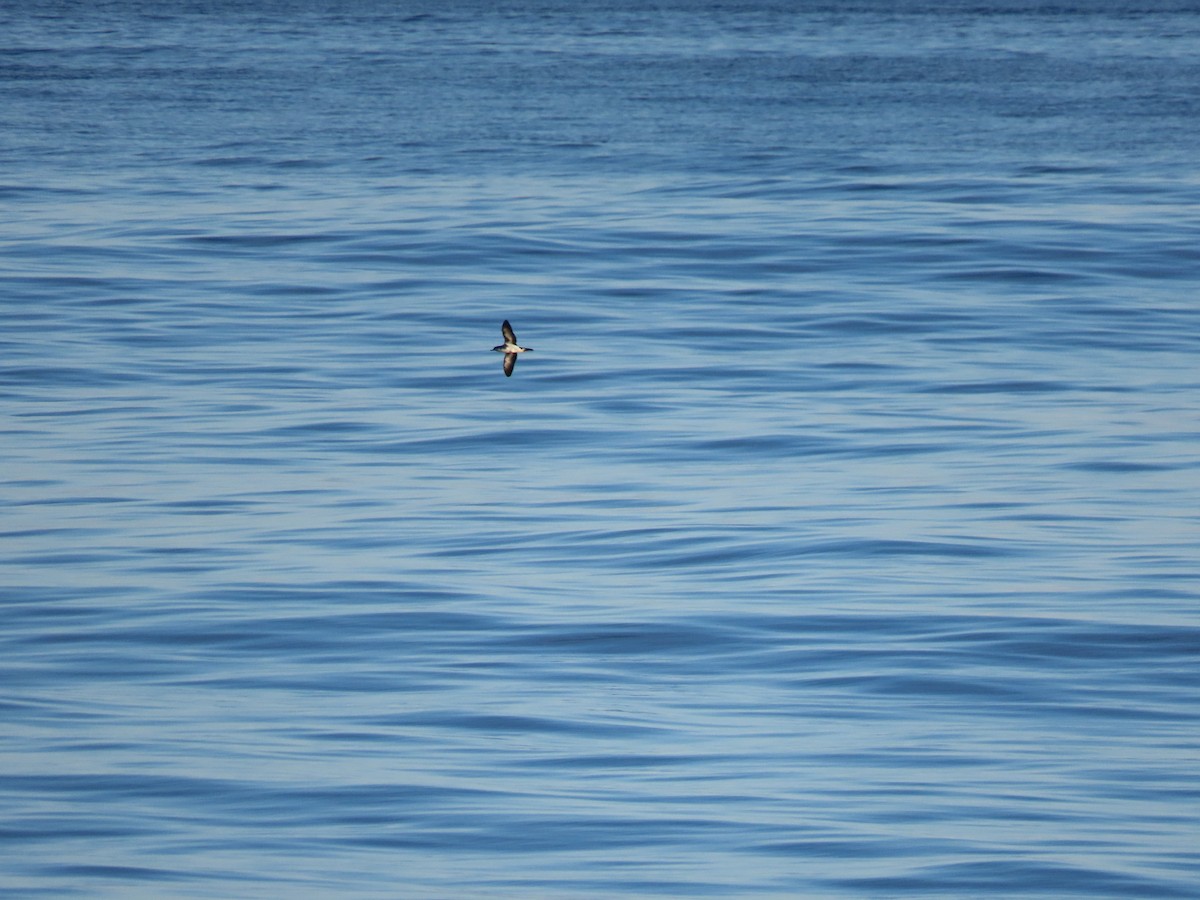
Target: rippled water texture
839	538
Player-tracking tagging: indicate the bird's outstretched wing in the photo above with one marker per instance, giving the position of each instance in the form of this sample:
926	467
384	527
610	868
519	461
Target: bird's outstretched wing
510	362
507	331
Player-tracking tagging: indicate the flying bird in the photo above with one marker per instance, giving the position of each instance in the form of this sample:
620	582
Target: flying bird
510	348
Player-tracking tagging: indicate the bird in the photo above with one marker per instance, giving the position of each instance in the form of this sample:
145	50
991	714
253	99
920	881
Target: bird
509	348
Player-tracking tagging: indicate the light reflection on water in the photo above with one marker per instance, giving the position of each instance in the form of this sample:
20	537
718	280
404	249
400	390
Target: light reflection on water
839	538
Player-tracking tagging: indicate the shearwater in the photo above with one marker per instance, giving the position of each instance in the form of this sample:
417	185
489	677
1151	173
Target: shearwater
510	348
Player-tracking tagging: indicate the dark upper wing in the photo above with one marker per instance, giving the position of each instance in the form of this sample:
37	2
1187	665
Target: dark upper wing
507	331
510	362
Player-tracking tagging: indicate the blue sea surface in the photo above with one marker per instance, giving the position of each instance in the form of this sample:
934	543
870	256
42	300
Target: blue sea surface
839	538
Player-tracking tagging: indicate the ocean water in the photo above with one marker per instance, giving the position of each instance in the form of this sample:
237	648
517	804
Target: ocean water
840	538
